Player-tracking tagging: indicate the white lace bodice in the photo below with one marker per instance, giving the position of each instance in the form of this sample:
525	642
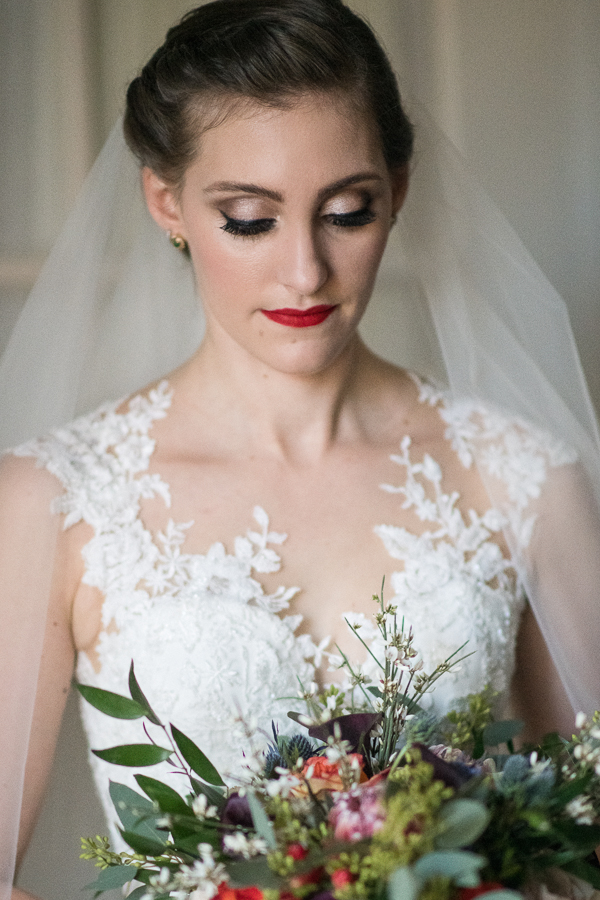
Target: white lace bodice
210	646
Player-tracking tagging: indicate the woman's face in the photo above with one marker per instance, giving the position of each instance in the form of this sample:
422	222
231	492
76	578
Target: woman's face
286	214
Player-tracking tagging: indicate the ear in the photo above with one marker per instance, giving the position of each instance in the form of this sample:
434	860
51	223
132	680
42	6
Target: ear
162	202
400	181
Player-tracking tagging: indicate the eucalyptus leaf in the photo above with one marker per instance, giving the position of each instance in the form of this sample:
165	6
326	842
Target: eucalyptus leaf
111	704
403	885
168	800
195	758
136	813
497	895
465	820
112	878
139	696
263	825
500	732
134	755
459	865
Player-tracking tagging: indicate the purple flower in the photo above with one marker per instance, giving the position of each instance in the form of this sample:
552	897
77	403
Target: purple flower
354	728
236	812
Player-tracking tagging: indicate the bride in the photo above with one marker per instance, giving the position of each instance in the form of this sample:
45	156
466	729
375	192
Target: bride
216	526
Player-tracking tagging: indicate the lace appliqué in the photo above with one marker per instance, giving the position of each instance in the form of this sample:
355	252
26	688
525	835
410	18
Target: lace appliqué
208	646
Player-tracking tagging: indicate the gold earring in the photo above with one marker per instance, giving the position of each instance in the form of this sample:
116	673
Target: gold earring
178	241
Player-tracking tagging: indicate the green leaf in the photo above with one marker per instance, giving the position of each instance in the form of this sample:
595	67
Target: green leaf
168	800
583	870
262	823
584	838
144	845
216	796
139	696
376	692
459	865
496	895
411	705
112	878
113	705
465	820
247	873
501	732
403	885
189	843
134	755
135	812
571	789
195	758
138	893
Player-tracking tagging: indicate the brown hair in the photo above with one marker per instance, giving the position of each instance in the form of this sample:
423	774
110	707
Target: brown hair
269	51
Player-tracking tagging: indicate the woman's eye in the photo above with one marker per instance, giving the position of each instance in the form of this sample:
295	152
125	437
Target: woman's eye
246	227
354	219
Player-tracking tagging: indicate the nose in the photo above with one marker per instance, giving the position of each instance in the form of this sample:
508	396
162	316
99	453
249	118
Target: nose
303	267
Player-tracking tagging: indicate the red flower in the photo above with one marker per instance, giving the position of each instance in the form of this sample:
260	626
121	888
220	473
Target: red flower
297	851
312	877
248	893
469	893
341	877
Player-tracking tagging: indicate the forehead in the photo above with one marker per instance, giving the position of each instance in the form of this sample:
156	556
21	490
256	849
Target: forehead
325	137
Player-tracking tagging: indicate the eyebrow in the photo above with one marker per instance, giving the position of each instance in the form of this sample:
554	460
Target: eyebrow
258	191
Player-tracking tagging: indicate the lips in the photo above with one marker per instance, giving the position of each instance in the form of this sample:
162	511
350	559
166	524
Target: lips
299	318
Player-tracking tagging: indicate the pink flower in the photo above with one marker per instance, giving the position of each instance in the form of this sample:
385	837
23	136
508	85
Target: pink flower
359	813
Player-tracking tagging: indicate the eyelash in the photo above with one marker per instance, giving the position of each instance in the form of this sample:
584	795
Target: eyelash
254	227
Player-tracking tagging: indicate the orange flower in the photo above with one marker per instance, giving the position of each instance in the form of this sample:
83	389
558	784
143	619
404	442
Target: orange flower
323	775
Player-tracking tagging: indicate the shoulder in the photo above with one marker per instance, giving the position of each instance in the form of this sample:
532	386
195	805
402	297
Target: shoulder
26	490
109	445
517	460
482	432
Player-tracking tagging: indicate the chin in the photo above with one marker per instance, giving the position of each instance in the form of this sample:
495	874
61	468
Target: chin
304	360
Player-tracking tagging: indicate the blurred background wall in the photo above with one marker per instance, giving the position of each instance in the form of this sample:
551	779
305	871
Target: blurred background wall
516	84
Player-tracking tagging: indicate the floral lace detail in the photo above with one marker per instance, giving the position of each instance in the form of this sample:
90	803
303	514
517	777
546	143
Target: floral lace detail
208	644
456	586
513	452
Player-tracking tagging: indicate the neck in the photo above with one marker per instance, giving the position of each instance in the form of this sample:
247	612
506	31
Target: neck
296	417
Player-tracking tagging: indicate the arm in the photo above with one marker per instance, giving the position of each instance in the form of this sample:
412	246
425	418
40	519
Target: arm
37	585
561	647
538	695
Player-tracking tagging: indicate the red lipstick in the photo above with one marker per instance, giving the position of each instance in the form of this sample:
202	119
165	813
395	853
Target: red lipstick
299	318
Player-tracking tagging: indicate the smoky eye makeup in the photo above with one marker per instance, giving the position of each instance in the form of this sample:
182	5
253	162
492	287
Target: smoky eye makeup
351	210
246	227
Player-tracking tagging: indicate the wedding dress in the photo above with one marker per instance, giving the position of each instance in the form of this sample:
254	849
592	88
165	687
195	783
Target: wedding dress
213	652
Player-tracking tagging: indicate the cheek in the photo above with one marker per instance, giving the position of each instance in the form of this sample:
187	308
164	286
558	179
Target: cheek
356	261
222	268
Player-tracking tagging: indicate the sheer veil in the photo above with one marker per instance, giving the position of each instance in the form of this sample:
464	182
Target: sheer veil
115	307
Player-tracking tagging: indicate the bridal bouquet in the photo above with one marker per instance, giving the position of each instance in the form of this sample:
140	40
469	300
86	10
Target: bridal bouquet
375	798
